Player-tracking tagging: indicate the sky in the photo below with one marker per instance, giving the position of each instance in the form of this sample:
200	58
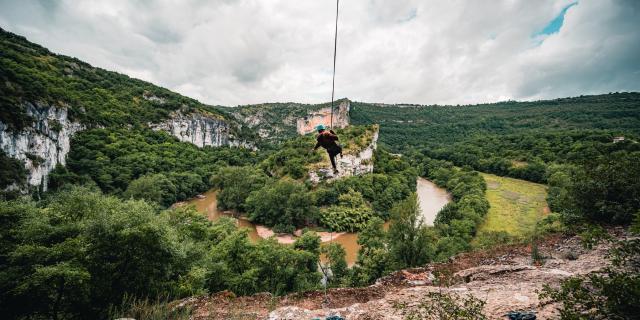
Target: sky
236	52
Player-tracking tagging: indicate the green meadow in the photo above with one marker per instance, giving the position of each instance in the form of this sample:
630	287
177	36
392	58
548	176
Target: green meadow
516	205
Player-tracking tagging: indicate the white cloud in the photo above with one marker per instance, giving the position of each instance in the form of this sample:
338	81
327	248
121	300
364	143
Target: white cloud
250	51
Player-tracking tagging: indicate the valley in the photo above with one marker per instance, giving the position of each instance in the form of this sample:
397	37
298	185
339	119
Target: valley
115	191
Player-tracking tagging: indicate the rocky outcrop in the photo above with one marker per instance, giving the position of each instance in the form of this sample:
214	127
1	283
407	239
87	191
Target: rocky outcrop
308	123
505	278
42	145
200	129
349	164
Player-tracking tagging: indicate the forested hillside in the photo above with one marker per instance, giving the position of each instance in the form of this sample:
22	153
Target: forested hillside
519	139
117	145
94	96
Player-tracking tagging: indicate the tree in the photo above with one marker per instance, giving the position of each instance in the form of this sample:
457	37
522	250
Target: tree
310	242
83	253
373	257
236	184
410	242
284	205
351	213
153	188
236	264
335	255
605	189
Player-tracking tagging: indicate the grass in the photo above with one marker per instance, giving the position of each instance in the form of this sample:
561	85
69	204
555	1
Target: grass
516	206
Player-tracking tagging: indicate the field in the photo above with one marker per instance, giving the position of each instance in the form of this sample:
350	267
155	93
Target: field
516	205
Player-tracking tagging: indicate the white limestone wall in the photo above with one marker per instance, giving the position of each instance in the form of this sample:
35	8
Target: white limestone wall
42	139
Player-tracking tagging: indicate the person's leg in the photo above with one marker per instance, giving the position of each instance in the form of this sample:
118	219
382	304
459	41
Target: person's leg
332	157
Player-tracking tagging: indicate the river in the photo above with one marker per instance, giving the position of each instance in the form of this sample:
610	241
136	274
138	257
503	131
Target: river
430	197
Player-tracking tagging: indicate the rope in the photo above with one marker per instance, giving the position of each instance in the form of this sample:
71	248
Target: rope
335	48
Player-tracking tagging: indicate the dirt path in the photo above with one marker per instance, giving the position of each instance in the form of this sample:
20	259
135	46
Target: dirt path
505	278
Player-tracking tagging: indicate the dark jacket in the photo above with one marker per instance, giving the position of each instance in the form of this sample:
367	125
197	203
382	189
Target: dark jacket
328	140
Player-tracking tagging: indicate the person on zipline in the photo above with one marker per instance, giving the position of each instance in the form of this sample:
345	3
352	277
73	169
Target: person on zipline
328	140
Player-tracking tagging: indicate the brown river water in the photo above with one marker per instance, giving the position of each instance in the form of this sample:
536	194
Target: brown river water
431	199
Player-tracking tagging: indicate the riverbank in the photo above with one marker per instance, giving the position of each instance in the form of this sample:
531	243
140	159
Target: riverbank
431	199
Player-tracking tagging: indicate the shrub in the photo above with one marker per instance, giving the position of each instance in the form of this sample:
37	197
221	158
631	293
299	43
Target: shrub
443	306
351	213
236	184
285	203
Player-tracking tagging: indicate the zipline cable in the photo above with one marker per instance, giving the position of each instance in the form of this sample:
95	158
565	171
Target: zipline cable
335	48
325	301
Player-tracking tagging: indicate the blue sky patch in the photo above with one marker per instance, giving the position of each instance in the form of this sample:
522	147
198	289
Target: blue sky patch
554	25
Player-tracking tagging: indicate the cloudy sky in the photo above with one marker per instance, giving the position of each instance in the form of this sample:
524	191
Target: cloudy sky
232	52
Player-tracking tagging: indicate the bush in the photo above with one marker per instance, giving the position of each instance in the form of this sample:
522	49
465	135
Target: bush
351	214
443	306
489	239
285	203
236	184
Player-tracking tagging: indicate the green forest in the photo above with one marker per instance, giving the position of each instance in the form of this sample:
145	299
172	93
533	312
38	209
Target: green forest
106	232
516	139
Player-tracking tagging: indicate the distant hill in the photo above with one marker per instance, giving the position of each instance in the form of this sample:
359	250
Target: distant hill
408	126
518	139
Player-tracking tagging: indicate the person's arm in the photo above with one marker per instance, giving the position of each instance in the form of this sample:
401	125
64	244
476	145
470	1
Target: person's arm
317	144
333	135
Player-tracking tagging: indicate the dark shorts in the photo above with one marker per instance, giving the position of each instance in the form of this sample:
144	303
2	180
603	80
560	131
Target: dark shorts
335	150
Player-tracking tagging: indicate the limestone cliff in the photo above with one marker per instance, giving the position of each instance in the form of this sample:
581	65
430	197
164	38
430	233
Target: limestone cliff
276	122
308	123
42	145
200	129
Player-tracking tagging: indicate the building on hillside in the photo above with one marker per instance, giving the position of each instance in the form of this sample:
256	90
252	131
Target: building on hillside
323	116
618	139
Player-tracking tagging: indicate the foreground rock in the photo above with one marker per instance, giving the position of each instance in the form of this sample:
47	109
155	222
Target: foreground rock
505	278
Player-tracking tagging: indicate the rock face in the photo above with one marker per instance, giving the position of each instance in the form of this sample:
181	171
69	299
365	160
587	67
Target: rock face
323	116
199	129
349	164
43	145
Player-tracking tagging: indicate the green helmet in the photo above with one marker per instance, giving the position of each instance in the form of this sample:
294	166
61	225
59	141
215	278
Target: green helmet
320	127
